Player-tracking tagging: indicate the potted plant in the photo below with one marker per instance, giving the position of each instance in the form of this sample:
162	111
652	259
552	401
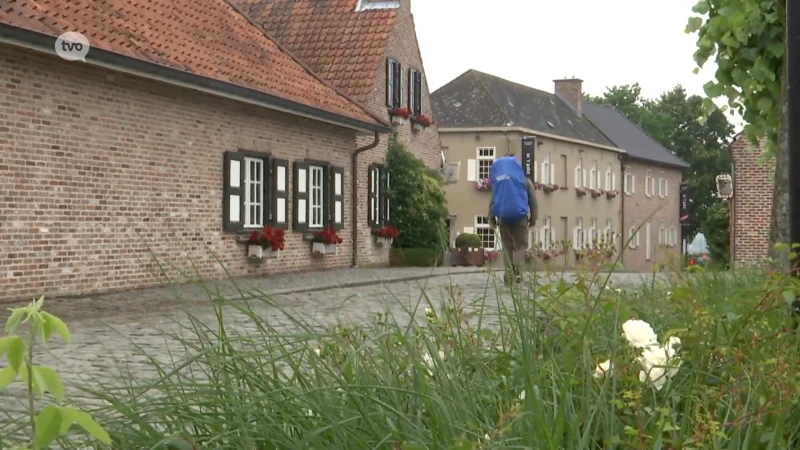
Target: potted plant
548	188
419	122
538	186
399	116
265	243
484	185
386	235
612	194
470	251
581	191
325	242
596	193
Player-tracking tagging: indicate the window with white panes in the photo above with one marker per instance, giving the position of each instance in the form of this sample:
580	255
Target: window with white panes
629	181
648	183
546	179
486	157
253	192
662	186
673	236
484	231
608	235
316	180
593	233
533	237
547	233
578	234
593	178
648	245
579	174
633	236
608	181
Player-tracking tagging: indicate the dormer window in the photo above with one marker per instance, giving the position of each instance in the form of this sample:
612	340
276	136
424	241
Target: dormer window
415	91
377	4
394	84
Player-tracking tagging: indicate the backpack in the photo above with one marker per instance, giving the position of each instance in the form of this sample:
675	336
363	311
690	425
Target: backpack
509	193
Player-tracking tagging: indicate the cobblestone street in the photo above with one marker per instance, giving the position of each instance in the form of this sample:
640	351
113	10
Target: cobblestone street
107	329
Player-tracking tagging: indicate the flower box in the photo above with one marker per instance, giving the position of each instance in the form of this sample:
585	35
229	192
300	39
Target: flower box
321	248
399	120
484	185
259	252
419	122
548	188
611	194
383	241
596	193
399	116
416	126
385	236
581	191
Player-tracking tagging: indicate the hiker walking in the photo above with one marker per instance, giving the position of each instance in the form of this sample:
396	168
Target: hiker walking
513	208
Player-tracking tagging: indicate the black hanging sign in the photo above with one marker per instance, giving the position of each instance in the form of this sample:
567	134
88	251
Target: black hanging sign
685	199
528	145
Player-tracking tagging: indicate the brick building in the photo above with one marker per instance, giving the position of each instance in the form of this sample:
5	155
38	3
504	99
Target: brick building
369	50
751	205
187	128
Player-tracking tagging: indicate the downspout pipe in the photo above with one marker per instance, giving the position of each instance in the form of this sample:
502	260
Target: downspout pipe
354	194
622	244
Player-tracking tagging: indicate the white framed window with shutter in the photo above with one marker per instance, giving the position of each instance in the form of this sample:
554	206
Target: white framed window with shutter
316	208
648	246
608	233
578	236
662	186
633	236
579	174
546	179
484	231
673	236
547	233
593	233
378	199
629	182
254	191
649	183
478	169
318	192
593	184
533	237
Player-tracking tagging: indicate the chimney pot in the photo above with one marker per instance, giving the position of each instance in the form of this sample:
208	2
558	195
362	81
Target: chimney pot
571	91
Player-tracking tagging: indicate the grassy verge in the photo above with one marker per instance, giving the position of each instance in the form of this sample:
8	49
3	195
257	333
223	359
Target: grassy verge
483	373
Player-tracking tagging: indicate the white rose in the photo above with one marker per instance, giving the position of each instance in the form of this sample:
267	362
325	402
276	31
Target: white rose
603	369
639	333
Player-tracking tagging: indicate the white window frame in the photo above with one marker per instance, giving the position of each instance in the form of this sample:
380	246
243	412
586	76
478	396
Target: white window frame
578	235
533	237
479	158
546	179
579	174
629	181
662	186
547	233
609	236
608	182
648	183
257	185
483	223
593	179
316	204
648	255
593	233
633	236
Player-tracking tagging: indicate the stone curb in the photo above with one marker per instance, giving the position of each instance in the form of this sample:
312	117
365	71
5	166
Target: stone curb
372	282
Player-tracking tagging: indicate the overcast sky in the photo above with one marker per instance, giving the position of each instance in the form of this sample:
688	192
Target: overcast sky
533	42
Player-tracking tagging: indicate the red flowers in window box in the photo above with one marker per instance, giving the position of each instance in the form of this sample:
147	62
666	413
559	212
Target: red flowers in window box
483	185
268	238
388	233
548	188
612	194
327	237
405	113
423	121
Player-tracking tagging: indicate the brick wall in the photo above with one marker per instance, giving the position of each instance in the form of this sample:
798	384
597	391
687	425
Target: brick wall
99	171
752	202
424	144
639	209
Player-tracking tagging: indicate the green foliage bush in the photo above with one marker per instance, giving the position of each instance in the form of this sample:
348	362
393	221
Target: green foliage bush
716	230
468	240
415	257
419	207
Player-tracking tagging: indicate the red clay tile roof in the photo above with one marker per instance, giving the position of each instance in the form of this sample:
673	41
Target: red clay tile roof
343	46
204	37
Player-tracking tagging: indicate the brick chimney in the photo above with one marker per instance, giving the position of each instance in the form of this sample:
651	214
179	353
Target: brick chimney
571	91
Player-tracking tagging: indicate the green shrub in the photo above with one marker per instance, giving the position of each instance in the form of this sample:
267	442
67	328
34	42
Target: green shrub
415	257
419	207
468	240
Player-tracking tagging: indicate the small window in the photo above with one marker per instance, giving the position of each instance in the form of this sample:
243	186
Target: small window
593	184
662	186
648	247
648	183
254	191
629	181
546	169
415	91
318	196
579	174
486	157
485	232
379	204
394	84
594	234
633	236
608	184
315	205
578	236
547	234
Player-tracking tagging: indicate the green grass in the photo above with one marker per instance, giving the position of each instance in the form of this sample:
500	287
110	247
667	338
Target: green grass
371	388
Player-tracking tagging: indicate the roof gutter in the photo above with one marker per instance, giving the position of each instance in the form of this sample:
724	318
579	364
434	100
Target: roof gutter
528	131
354	194
44	43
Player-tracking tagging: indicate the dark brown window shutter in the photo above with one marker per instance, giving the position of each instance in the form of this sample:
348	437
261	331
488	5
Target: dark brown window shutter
385	203
300	197
336	188
389	84
233	192
280	194
373	207
411	86
418	93
398	84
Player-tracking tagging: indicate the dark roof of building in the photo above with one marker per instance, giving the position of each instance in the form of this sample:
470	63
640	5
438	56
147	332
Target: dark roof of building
207	38
345	46
628	136
477	99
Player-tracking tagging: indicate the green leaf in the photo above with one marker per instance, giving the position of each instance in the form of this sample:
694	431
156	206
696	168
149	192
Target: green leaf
50	381
6	341
694	24
176	443
778	48
17	314
48	425
16	351
788	297
7	376
58	326
765	103
702	7
85	421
